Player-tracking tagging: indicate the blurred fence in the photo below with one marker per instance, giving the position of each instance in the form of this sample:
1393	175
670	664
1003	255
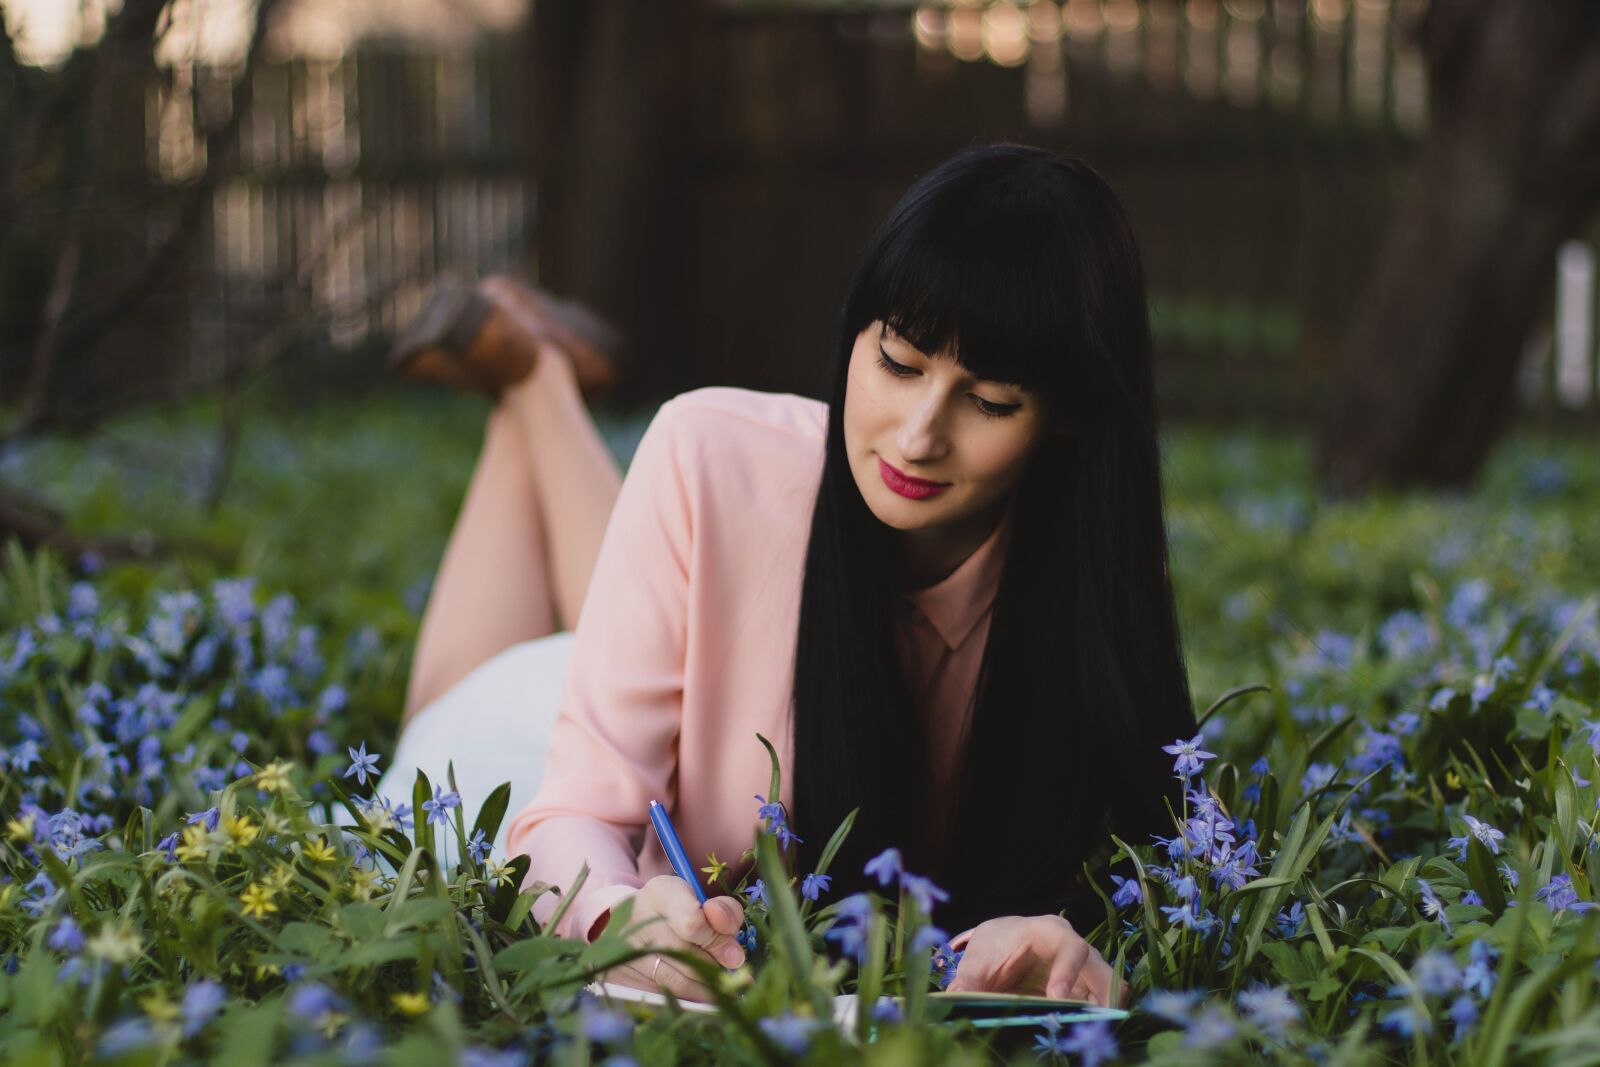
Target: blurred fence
1261	147
360	179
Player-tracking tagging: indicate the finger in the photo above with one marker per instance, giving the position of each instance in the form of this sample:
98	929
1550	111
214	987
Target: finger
643	974
725	914
959	941
1064	971
1094	981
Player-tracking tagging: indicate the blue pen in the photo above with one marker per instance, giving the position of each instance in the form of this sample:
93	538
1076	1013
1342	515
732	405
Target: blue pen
674	847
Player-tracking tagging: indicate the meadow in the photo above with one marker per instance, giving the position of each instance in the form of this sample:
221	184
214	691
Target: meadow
1387	852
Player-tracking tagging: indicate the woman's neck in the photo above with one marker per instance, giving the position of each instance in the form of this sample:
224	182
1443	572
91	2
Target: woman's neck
931	556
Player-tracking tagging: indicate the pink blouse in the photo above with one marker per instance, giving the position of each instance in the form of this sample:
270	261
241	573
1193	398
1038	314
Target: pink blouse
685	649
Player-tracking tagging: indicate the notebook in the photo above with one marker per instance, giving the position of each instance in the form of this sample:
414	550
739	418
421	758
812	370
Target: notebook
983	1010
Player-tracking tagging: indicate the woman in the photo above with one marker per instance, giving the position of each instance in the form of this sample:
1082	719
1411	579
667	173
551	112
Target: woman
942	595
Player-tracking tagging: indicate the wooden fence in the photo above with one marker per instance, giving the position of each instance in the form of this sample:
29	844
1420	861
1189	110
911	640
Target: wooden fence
1261	147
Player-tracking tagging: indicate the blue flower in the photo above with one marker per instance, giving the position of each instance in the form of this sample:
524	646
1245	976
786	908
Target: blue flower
1479	976
814	885
923	891
1128	891
929	937
1272	1010
1191	757
605	1026
1260	767
1092	1041
1482	831
66	937
438	808
945	963
1559	896
1432	906
312	1001
1464	1014
886	1010
1210	1028
201	1002
362	764
209	817
790	1032
1435	973
885	866
1407	1020
758	893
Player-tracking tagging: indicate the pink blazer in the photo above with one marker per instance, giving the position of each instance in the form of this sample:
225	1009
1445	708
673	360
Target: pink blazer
685	649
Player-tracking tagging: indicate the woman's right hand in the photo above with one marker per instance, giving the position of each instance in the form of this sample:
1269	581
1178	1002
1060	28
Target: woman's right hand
677	920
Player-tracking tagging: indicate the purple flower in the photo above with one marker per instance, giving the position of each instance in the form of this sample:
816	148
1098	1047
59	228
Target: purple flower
929	937
885	866
209	817
605	1026
1559	896
1210	1028
1435	973
1191	757
1482	831
201	1002
886	1010
1407	1020
1272	1010
362	764
791	1032
758	893
1128	891
945	962
923	891
1463	1013
1432	906
814	885
1092	1041
478	847
66	937
438	808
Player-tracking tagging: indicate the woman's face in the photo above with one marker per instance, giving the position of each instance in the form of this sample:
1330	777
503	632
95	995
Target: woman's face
923	416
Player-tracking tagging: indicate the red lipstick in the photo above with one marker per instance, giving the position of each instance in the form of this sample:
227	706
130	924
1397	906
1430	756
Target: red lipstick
905	485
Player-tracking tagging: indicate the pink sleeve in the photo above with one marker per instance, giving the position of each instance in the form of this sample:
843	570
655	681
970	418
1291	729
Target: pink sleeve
613	747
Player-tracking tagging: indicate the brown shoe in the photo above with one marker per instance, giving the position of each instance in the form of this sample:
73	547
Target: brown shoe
597	348
464	340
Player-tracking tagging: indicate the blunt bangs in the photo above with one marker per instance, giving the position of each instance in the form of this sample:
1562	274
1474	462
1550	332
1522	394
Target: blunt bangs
979	265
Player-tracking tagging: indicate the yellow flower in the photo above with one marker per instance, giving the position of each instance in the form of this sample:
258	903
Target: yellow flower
274	777
115	944
330	1022
257	900
160	1008
273	823
411	1003
194	844
281	878
362	884
20	829
717	868
241	829
7	891
499	873
1452	779
319	851
264	969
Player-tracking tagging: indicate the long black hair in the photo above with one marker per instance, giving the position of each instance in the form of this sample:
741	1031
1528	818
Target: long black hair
1024	262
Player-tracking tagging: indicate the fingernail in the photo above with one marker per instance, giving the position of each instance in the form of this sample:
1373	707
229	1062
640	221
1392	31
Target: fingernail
732	957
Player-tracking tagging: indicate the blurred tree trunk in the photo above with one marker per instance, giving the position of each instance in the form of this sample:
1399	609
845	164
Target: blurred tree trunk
613	146
1509	167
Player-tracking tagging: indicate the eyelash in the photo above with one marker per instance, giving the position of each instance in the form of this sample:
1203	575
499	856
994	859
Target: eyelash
985	409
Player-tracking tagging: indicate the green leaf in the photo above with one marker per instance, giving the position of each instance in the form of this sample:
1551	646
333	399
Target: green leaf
361	920
529	953
836	841
1566	801
567	898
1228	697
493	810
1483	877
773	794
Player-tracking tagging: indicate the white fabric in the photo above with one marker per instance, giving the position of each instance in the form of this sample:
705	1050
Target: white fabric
494	724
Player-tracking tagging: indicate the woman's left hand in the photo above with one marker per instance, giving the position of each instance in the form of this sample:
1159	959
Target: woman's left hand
1038	955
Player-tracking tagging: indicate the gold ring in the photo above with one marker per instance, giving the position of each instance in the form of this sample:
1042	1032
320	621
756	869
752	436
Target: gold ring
654	969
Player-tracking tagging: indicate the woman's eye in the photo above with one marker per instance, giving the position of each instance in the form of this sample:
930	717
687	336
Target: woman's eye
994	411
897	369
